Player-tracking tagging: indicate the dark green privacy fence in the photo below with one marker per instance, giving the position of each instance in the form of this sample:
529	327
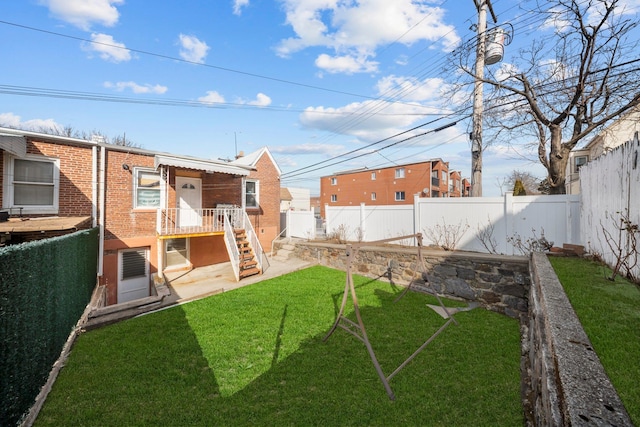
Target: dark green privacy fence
44	288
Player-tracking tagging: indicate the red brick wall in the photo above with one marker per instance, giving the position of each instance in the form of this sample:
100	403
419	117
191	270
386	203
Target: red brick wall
75	175
266	218
355	188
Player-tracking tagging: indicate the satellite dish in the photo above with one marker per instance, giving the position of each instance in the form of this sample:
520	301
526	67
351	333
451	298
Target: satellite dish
425	190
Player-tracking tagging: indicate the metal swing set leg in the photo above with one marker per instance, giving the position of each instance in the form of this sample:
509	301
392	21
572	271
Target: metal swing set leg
358	330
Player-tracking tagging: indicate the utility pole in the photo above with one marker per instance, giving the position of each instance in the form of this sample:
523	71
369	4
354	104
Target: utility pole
476	134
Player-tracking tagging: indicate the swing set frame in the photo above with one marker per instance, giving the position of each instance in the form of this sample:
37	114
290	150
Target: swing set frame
358	330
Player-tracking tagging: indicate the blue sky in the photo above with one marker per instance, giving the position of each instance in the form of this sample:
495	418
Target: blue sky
310	79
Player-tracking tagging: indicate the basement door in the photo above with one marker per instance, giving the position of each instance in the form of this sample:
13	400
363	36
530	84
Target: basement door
133	274
189	201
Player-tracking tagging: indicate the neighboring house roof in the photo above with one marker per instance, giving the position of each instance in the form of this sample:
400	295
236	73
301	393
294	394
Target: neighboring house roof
13	141
251	159
363	169
285	194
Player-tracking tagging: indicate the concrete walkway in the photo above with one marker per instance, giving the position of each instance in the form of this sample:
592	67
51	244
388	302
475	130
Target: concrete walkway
205	281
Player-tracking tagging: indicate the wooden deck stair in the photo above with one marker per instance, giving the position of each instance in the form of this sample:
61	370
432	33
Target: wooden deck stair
248	262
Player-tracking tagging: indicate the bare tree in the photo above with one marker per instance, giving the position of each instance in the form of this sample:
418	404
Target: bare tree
529	181
567	86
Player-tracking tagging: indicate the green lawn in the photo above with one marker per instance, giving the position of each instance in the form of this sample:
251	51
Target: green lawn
610	314
255	356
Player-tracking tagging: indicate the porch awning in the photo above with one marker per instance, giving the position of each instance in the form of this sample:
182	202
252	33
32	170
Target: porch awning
14	144
204	165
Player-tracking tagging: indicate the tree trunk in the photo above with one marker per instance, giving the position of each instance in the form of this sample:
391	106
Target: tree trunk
558	158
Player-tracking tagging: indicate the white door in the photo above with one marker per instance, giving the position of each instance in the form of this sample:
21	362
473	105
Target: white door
189	201
133	274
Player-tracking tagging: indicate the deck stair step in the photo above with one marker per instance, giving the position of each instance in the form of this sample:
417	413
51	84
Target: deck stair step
248	263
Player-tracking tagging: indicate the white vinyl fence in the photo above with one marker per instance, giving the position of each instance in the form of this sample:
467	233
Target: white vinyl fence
610	189
301	224
496	221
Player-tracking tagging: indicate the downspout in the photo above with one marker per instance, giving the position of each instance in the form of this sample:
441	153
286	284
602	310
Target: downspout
94	186
103	157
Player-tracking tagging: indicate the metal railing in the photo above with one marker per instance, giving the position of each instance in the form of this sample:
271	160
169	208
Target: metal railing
177	221
254	241
232	248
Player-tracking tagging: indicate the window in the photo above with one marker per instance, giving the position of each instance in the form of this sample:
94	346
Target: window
134	264
32	183
147	189
399	196
251	194
373	176
334	181
373	196
176	252
334	197
400	173
444	177
579	161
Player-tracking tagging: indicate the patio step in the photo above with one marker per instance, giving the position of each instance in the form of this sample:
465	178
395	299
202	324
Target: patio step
249	272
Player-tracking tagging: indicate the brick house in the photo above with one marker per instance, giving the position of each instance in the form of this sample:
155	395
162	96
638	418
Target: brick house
455	184
394	185
156	211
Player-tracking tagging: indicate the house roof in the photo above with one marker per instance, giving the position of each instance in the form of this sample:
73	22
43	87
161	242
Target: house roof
200	164
251	159
365	168
285	194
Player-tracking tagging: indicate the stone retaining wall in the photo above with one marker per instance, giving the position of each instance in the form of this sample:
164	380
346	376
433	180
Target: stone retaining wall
499	283
563	381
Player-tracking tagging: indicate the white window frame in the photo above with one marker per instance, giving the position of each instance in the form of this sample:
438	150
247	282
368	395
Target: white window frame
576	166
161	190
399	173
373	195
334	181
257	194
334	198
400	196
9	190
373	176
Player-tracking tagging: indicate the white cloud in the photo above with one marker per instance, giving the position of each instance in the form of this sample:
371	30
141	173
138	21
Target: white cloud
83	13
238	5
261	100
107	48
192	49
212	97
136	88
14	121
345	64
357	29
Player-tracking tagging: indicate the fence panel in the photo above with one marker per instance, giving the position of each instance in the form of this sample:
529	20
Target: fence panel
484	224
609	186
46	286
301	224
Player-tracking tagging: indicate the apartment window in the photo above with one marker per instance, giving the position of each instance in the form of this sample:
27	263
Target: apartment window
334	181
334	197
400	173
373	176
147	189
579	161
32	184
373	196
251	194
444	176
399	196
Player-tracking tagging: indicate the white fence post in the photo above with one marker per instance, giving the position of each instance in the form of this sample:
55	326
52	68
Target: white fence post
508	220
363	223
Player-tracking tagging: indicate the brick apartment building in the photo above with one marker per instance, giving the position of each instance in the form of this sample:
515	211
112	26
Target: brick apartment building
388	186
156	211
